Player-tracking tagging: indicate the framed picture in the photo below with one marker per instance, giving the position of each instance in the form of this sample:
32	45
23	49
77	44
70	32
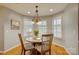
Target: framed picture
15	25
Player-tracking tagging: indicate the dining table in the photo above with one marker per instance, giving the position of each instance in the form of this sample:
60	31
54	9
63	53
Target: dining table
35	42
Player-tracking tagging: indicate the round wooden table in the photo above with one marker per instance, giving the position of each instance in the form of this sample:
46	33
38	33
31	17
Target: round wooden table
34	43
37	41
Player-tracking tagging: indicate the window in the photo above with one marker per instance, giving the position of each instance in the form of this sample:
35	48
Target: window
57	27
42	27
28	26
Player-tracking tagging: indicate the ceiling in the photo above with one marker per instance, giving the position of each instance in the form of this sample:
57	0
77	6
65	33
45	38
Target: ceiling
43	8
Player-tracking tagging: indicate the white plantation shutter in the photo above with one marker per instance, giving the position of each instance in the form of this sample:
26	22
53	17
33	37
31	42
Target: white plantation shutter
57	27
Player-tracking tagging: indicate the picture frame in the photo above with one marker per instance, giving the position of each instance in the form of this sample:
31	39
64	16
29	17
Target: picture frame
15	25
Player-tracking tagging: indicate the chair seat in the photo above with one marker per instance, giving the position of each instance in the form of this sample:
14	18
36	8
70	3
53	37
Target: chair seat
39	49
28	46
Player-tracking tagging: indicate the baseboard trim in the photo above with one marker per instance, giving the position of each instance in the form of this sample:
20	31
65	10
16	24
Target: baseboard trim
11	48
67	51
64	48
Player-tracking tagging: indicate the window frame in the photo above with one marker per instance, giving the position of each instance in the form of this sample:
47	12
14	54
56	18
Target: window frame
27	31
61	17
43	26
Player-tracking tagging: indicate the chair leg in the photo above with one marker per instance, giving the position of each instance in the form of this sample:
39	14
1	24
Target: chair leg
49	52
21	51
24	52
31	51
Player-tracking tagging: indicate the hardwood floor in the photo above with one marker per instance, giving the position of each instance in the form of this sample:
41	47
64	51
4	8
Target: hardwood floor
59	50
1	52
56	50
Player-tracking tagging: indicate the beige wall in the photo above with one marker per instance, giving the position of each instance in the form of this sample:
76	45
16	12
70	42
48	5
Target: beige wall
70	26
8	37
1	30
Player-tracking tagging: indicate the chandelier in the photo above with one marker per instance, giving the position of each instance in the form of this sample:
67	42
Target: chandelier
36	18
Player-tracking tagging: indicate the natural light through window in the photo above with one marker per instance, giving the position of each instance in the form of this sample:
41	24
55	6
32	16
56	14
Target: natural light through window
57	27
28	27
42	27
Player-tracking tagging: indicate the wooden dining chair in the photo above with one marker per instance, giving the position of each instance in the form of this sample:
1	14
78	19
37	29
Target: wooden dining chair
28	47
46	44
